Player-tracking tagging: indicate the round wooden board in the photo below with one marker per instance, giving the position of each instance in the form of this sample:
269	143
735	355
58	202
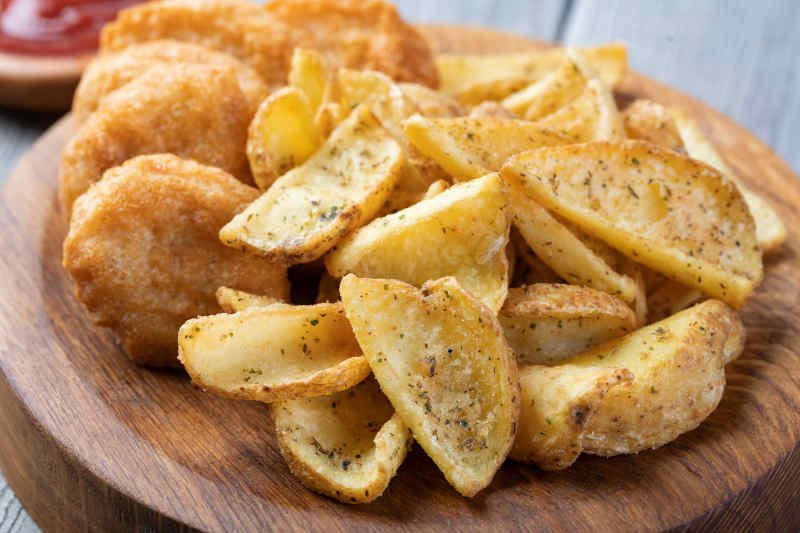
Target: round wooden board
40	83
90	441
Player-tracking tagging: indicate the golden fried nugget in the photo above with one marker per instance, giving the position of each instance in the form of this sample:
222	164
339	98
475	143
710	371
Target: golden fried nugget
361	34
143	250
241	29
111	71
193	111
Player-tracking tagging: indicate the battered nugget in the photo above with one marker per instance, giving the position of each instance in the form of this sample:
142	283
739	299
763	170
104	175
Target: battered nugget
111	71
143	250
191	110
363	34
241	29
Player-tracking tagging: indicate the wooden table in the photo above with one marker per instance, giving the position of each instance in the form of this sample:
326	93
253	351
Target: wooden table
738	56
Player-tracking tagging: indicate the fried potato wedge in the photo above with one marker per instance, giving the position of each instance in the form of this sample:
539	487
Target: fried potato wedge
530	269
310	208
436	188
669	298
547	323
491	90
272	353
468	148
348	445
666	211
461	232
490	110
431	103
309	73
555	90
281	136
441	359
630	394
232	300
770	230
646	120
458	72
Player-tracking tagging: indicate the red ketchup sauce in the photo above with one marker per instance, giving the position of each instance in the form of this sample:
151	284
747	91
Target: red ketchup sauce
55	27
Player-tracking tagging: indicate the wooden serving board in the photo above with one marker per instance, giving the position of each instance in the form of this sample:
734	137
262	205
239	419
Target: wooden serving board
91	442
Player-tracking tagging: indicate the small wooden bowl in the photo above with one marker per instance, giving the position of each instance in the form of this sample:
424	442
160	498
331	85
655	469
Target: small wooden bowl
39	83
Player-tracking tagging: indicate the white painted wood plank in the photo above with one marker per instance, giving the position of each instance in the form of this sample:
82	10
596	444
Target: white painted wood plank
13	518
741	57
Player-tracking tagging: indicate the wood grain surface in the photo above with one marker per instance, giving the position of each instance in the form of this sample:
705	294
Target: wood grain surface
94	443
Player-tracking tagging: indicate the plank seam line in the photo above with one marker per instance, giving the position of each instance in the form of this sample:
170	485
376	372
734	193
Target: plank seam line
563	20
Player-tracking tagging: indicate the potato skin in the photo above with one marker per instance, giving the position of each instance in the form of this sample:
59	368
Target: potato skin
143	251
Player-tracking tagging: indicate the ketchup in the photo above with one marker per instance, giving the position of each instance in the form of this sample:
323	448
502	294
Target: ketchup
55	27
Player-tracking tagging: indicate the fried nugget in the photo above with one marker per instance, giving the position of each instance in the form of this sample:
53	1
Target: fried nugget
191	110
241	29
108	72
362	34
143	250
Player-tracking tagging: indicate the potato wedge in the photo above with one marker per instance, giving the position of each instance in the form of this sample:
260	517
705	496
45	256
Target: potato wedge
461	232
491	90
273	353
232	300
441	359
309	73
770	230
491	110
645	120
669	298
348	445
458	72
666	211
633	393
436	188
341	187
530	269
547	323
468	148
553	91
431	103
281	136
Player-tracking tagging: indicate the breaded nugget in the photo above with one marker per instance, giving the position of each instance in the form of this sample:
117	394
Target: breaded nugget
364	34
143	250
108	72
191	110
241	29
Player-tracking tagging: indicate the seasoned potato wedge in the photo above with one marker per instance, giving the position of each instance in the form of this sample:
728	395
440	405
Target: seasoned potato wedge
309	73
646	120
461	232
457	72
633	393
441	359
664	210
546	96
490	110
669	298
436	188
770	230
530	269
431	103
281	136
468	148
547	323
492	90
273	353
307	211
347	445
232	300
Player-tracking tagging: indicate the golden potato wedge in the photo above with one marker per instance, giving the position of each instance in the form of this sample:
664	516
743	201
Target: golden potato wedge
633	393
308	72
468	148
491	110
281	136
491	90
547	323
431	103
461	232
232	300
307	211
770	230
348	445
664	210
546	96
458	72
645	120
441	359
436	188
669	298
272	353
530	269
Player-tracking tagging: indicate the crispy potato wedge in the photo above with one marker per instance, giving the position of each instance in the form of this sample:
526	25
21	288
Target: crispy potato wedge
645	120
491	90
272	353
633	393
468	148
461	232
458	72
491	110
341	187
441	359
669	298
431	103
436	188
281	136
547	323
666	211
552	92
348	445
770	230
309	73
530	269
232	300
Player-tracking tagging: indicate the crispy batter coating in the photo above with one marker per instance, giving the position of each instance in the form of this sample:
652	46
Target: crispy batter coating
365	34
143	250
111	71
241	29
191	110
